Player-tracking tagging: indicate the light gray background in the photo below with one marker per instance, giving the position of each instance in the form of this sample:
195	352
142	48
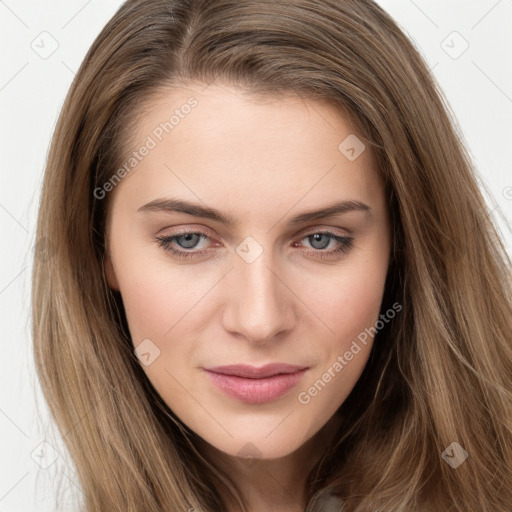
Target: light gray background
477	85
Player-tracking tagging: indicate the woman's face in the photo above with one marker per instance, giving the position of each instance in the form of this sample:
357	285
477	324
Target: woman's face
252	235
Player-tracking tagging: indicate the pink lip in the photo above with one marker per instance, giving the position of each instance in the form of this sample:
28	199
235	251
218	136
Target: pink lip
254	385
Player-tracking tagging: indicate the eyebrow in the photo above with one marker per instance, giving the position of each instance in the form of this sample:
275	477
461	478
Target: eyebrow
178	205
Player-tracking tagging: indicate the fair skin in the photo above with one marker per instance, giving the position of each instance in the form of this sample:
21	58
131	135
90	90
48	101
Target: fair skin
262	162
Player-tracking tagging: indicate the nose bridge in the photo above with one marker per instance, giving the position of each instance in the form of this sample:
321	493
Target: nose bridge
259	306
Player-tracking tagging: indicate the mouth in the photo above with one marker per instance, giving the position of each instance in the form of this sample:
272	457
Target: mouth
256	385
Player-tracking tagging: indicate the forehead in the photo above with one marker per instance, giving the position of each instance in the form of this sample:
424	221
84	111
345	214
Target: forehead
234	147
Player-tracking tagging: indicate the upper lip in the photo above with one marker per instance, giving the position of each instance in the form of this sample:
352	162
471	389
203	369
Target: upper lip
253	372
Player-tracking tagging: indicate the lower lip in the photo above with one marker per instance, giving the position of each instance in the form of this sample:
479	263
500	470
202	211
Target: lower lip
256	391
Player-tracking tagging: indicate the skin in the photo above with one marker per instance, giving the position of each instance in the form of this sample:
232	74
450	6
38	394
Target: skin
262	161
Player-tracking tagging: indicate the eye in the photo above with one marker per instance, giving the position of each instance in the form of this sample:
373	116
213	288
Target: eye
319	241
185	240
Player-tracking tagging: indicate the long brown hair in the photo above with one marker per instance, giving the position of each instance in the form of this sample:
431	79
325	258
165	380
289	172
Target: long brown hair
439	373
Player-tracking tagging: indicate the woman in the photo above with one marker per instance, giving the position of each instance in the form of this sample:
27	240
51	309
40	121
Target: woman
277	286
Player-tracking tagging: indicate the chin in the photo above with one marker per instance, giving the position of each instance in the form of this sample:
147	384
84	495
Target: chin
260	443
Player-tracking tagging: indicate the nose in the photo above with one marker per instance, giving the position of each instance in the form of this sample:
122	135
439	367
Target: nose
260	305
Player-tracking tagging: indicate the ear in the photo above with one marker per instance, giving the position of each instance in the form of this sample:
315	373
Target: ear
110	272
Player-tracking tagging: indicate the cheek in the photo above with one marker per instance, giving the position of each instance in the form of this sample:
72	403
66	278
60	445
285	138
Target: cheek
349	307
160	312
158	298
169	306
147	306
348	302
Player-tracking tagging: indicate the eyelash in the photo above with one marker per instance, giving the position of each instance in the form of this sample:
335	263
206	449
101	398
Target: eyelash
165	242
